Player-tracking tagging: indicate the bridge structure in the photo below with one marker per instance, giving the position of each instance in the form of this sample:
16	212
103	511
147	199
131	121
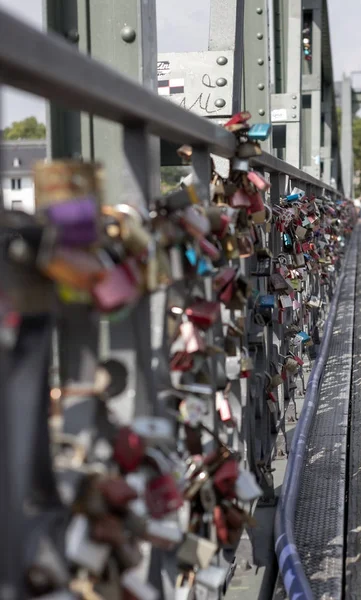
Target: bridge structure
112	99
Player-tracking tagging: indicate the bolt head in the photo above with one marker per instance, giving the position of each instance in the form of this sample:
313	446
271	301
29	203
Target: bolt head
219	103
294	97
259	11
73	36
128	34
222	60
260	61
221	82
294	107
261	86
261	112
294	116
259	36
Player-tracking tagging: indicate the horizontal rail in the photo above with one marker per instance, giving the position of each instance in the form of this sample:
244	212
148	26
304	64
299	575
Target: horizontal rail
274	165
48	66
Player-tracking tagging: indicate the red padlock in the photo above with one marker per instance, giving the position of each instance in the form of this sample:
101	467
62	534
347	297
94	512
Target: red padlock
162	496
220	525
116	491
203	313
225	478
129	450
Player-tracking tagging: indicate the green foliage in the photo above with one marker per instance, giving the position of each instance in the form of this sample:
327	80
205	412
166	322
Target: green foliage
28	129
171	176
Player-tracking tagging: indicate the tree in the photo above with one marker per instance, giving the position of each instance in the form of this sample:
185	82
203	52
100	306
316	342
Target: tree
28	129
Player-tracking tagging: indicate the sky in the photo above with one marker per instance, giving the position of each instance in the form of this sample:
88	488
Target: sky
183	27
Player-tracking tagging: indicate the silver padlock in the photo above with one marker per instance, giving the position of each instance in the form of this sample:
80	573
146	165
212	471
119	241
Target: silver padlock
81	550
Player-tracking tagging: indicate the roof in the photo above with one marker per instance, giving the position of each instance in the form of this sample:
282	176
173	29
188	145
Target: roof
26	151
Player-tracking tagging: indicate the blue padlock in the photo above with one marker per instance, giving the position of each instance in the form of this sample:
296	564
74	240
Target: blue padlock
267	301
204	267
260	132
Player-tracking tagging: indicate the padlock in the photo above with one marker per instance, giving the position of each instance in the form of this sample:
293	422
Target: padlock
129	449
246	363
291	365
223	408
240	117
192	410
120	287
192	338
260	182
203	313
240	199
196	551
246	487
194	222
248	150
72	266
181	361
184	588
245	244
162	495
134	588
81	550
61	180
213	577
260	132
76	220
278	282
225	478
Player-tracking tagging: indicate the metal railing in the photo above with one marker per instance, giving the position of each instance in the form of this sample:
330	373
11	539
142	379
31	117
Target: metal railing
47	66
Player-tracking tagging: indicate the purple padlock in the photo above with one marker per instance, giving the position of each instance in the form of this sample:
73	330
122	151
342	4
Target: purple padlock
76	221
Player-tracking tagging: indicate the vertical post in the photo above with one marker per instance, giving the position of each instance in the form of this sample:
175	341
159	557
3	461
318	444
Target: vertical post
312	86
346	137
256	79
327	135
226	33
294	58
63	126
123	36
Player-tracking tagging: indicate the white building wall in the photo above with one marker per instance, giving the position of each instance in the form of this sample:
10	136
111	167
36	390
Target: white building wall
25	195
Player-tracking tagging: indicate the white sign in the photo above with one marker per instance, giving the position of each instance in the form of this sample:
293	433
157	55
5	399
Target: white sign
278	115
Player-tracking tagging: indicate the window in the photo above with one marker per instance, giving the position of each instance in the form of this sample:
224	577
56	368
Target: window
16	205
16	184
16	162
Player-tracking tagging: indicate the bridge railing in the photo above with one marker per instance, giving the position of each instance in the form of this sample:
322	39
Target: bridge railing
45	65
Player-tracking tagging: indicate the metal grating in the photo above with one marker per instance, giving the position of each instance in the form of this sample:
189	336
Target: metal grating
319	523
353	557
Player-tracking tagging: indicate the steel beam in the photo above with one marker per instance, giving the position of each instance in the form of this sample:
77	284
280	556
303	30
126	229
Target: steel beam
122	35
327	134
346	137
226	33
312	86
257	82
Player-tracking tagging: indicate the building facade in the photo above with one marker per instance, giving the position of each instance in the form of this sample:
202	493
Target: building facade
17	161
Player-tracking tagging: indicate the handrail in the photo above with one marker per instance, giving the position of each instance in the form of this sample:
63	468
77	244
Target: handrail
48	66
272	164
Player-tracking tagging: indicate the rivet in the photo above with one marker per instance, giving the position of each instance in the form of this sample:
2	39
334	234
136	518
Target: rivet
294	116
294	107
260	36
259	11
260	62
221	82
261	86
222	60
73	36
294	97
261	112
219	103
128	34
